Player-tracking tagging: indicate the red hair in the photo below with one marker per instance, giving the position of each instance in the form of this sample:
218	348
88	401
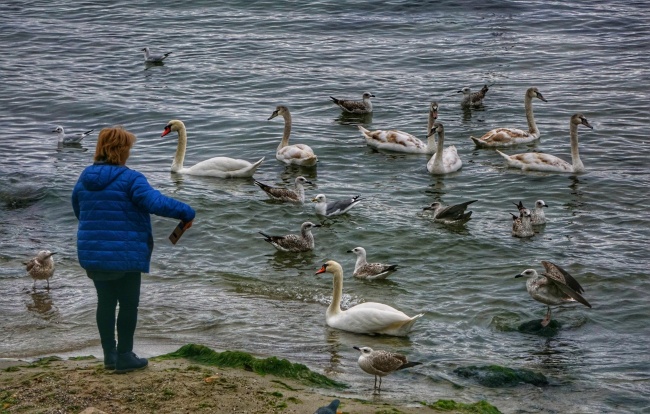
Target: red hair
114	145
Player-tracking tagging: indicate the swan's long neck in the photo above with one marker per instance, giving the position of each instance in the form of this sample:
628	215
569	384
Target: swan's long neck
437	157
177	165
578	166
431	140
335	306
532	126
287	130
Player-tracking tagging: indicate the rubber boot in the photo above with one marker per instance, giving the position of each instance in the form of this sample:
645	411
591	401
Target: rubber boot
129	361
110	358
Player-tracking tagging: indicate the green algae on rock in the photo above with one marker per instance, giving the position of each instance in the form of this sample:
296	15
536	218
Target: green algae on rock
481	407
237	359
497	376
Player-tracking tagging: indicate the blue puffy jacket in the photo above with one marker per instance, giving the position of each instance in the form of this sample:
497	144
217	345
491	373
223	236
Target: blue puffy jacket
113	203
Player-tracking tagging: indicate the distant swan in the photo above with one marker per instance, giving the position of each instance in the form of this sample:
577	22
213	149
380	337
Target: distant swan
538	161
443	161
220	167
297	154
398	141
504	137
367	317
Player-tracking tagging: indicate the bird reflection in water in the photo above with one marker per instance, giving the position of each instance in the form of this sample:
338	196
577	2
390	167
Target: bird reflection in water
42	305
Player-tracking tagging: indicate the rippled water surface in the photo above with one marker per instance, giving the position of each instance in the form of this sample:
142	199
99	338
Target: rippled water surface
79	65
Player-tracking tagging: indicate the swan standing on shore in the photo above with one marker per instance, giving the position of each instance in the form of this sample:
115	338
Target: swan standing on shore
356	107
370	271
297	154
473	98
292	242
398	141
504	137
555	287
296	195
538	161
367	317
220	167
443	161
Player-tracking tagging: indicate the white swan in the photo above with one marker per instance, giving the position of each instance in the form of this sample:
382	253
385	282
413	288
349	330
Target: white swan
538	161
367	317
443	161
298	154
504	137
398	141
221	167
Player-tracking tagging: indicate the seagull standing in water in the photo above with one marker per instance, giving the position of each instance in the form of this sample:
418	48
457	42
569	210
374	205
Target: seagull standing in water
381	363
41	267
334	208
149	58
355	107
70	138
554	287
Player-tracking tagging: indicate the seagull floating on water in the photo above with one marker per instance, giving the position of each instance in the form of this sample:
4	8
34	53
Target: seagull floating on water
41	267
332	408
292	242
70	138
381	363
334	208
370	271
149	58
453	215
555	287
537	216
286	194
356	107
522	226
473	98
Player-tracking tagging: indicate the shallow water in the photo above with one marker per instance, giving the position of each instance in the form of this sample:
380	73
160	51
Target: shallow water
79	65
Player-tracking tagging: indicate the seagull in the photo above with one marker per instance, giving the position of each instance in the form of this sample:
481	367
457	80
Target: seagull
522	226
381	363
286	194
473	99
41	267
453	215
149	58
332	408
70	138
293	242
555	287
370	271
356	107
537	216
334	208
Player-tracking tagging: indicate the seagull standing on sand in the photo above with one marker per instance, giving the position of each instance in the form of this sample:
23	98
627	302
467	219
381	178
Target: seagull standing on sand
70	138
370	271
356	107
334	208
149	58
332	408
453	215
555	287
381	363
286	194
41	267
292	242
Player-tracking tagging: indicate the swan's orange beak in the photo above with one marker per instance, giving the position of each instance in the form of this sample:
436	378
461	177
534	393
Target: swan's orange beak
322	270
167	130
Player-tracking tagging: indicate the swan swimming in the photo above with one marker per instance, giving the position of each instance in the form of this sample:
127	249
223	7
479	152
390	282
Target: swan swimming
504	137
367	317
538	161
443	161
297	154
220	167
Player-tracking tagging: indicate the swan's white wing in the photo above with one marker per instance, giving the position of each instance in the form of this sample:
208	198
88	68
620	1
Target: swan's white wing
368	318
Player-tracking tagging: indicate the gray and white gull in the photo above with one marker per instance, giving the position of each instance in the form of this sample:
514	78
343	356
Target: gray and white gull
296	195
355	107
151	58
334	208
293	242
537	216
41	267
381	363
370	271
70	138
473	98
452	215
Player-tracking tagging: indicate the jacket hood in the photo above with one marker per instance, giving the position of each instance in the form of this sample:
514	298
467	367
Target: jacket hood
99	175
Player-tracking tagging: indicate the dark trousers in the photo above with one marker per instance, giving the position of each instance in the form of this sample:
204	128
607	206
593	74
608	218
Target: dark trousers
125	292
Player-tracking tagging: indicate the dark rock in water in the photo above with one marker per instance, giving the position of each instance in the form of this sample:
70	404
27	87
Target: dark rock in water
535	327
481	407
497	376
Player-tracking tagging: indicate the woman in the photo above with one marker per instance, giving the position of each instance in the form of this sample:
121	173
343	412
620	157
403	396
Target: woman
114	240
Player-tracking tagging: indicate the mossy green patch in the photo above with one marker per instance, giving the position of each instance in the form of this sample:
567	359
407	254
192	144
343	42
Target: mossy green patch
41	362
498	376
481	407
82	358
237	359
12	369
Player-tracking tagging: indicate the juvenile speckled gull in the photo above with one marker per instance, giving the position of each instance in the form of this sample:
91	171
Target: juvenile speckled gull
332	408
522	226
381	363
538	161
473	98
70	138
367	317
296	154
334	208
286	194
151	58
554	287
504	137
356	107
371	271
293	242
41	267
454	214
